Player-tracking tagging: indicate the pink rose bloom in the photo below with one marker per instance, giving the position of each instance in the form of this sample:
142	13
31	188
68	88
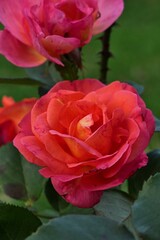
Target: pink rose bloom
46	29
87	137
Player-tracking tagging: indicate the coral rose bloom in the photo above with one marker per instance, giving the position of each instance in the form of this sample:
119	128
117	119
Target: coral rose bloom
87	137
38	30
10	115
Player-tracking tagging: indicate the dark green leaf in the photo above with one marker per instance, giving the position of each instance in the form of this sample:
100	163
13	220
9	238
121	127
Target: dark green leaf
135	182
129	225
138	87
75	210
41	74
42	90
11	172
3	234
57	202
16	223
157	125
146	210
81	227
34	182
19	178
115	205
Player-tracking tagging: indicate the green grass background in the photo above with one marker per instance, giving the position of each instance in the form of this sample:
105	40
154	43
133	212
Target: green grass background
135	44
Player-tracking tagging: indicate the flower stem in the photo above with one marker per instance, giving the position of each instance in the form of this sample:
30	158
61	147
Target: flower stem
105	54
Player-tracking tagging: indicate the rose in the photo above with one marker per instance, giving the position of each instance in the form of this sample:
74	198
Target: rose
87	137
46	29
10	115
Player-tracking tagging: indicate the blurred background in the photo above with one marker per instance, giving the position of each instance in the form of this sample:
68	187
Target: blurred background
135	45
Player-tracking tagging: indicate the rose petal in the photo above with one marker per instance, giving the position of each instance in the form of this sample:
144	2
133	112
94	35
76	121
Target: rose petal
86	85
109	10
7	101
54	46
7	132
30	156
105	134
11	16
74	193
78	148
67	175
103	162
17	52
124	100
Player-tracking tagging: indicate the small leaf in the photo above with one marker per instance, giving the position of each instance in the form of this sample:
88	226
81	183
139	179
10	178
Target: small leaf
157	125
135	182
16	223
57	202
115	205
42	90
19	178
81	227
41	74
138	87
146	210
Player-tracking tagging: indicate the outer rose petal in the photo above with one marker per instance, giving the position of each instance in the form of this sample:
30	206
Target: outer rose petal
16	111
7	132
7	101
17	52
76	195
100	180
109	10
11	113
11	16
86	85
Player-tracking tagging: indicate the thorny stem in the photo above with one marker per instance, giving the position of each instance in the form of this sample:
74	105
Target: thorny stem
105	54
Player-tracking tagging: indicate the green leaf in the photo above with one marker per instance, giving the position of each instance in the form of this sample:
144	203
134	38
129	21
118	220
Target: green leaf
60	205
16	223
135	182
41	74
157	121
146	210
138	87
42	90
115	205
70	209
19	178
34	182
129	225
56	201
81	227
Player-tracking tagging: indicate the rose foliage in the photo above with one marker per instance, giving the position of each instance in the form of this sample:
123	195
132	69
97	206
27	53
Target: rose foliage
87	137
11	113
46	29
